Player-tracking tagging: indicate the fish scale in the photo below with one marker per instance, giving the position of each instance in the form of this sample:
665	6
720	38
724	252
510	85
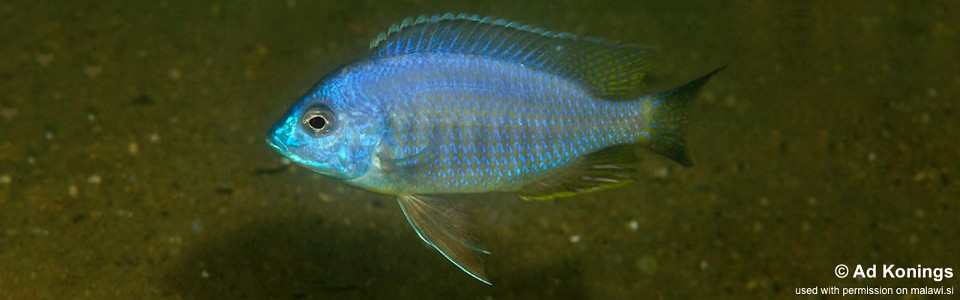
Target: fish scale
458	103
443	97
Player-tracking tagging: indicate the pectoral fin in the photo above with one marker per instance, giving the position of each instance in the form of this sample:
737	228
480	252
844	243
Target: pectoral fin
411	161
446	229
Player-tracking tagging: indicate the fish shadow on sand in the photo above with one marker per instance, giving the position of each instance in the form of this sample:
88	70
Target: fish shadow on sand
310	258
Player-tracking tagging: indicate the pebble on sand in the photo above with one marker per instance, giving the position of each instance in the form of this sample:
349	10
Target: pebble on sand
44	59
634	225
92	71
133	148
73	190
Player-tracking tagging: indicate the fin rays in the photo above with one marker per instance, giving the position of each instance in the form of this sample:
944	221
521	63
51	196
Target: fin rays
607	69
605	169
446	229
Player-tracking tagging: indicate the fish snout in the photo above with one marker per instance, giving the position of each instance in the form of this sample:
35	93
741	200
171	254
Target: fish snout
275	144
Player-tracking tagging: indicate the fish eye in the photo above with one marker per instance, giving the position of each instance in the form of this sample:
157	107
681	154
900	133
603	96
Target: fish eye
319	120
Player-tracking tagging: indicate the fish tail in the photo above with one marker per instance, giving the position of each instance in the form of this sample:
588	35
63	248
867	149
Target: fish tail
669	119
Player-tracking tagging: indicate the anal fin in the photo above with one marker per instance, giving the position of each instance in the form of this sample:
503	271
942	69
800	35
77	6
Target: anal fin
445	228
605	169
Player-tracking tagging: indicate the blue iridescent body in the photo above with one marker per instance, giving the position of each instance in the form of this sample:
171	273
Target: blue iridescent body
461	104
486	125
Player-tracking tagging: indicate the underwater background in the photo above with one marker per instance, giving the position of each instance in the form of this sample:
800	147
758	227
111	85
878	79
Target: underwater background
133	162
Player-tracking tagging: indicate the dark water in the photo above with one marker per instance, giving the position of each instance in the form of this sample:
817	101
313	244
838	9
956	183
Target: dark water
132	162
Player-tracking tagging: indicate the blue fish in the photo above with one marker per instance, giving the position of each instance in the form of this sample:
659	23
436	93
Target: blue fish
451	104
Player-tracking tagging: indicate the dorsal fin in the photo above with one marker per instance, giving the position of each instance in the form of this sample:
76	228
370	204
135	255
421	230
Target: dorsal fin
607	69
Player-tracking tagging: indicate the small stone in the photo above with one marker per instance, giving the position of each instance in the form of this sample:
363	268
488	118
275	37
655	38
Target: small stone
575	238
48	135
133	148
196	226
708	96
634	225
5	179
154	138
8	113
647	264
262	50
94	179
92	71
920	176
661	172
44	59
122	213
37	231
324	197
73	190
174	74
730	101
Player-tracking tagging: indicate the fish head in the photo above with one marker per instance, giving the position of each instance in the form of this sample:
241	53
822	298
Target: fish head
328	132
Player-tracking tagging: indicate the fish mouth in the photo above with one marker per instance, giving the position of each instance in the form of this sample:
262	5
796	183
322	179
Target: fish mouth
278	146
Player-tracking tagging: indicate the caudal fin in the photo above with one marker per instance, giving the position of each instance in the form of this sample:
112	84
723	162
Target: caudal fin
669	123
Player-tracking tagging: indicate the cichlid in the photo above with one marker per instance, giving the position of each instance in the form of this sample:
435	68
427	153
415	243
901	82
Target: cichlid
450	104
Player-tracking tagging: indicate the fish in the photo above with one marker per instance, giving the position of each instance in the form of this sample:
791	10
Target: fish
454	104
